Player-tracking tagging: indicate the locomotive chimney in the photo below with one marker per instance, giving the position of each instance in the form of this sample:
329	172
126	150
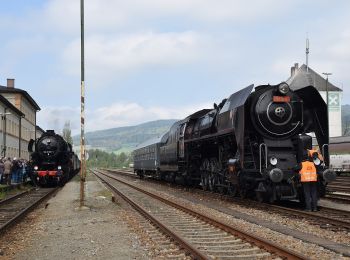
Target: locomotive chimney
10	83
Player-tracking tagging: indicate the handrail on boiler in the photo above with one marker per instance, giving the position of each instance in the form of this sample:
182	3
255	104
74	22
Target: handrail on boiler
260	155
323	152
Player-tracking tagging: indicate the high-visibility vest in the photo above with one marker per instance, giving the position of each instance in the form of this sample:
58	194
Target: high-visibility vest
308	172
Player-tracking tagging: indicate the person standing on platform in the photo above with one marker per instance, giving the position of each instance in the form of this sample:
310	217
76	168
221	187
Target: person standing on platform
14	170
2	169
7	171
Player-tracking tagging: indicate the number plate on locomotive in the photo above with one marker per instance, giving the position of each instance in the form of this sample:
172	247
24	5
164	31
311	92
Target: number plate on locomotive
281	99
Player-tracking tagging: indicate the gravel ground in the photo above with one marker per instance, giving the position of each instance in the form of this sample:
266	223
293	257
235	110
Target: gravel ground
311	250
57	230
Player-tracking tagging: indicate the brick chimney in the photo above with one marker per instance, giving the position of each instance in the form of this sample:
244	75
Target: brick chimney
292	71
10	83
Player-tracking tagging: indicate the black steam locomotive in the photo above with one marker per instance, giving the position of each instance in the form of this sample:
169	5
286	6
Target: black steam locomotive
249	144
53	160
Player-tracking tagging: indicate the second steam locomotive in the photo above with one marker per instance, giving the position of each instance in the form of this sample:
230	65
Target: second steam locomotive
53	160
249	144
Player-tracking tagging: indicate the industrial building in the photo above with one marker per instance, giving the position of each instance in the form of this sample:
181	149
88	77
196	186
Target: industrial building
305	76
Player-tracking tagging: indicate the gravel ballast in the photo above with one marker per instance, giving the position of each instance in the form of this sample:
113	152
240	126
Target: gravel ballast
59	230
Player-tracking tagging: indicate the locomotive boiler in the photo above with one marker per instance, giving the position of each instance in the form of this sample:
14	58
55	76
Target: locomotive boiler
250	144
52	159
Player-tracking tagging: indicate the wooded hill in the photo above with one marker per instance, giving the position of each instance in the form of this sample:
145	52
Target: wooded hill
124	139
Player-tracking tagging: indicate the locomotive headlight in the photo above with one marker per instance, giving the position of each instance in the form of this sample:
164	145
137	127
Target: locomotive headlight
36	168
317	161
283	88
273	161
59	167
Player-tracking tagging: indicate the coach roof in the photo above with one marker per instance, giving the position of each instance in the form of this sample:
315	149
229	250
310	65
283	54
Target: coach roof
151	141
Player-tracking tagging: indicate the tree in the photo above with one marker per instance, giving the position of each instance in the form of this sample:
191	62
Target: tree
67	133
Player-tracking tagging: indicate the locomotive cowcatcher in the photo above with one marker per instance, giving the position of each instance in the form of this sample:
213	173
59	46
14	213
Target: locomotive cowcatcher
53	161
249	144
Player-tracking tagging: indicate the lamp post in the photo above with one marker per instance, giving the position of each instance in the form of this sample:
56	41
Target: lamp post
327	101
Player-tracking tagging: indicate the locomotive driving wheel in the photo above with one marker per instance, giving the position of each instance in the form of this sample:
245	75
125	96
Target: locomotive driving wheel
243	192
232	190
214	175
204	174
221	185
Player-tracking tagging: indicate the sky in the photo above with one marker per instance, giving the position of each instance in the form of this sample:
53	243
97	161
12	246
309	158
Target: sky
160	59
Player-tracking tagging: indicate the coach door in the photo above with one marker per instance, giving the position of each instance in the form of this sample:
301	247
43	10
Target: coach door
182	141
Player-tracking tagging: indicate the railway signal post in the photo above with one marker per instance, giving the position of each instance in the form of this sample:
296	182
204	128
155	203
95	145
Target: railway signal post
82	112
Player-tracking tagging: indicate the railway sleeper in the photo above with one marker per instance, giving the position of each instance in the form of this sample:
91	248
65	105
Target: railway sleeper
214	236
232	251
218	242
226	247
210	239
191	229
243	257
208	232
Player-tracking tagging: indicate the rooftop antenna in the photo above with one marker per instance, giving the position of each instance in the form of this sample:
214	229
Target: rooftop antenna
307	53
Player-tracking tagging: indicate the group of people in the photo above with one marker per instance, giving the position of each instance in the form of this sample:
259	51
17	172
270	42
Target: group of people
13	171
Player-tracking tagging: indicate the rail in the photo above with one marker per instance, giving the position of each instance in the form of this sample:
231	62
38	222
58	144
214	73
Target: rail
259	242
15	208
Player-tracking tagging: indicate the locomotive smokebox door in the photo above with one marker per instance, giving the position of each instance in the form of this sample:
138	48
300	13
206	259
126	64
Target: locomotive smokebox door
304	144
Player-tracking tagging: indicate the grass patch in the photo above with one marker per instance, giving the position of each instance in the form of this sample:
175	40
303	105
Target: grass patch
20	188
2	195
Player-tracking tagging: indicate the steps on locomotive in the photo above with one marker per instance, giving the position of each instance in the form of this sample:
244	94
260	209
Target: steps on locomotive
249	162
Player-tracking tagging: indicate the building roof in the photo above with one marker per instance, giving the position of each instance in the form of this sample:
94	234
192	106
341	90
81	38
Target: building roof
302	78
4	89
9	105
38	128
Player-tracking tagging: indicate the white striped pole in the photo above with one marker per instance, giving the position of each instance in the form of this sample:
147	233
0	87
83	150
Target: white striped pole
82	109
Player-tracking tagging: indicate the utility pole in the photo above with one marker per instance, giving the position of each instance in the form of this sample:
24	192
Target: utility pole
307	54
82	112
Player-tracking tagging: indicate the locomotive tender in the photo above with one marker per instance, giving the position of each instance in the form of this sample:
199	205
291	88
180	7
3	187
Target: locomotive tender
53	160
249	144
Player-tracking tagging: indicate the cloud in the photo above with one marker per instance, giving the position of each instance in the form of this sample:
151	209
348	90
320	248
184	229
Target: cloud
114	115
55	117
111	15
107	55
123	114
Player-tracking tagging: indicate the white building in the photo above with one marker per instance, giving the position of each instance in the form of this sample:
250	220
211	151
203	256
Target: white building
26	129
10	122
310	77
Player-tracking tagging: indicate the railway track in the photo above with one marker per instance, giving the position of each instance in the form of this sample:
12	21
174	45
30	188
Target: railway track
201	236
16	207
326	218
341	198
341	184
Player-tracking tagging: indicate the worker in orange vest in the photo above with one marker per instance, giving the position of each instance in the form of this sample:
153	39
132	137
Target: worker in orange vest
308	179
